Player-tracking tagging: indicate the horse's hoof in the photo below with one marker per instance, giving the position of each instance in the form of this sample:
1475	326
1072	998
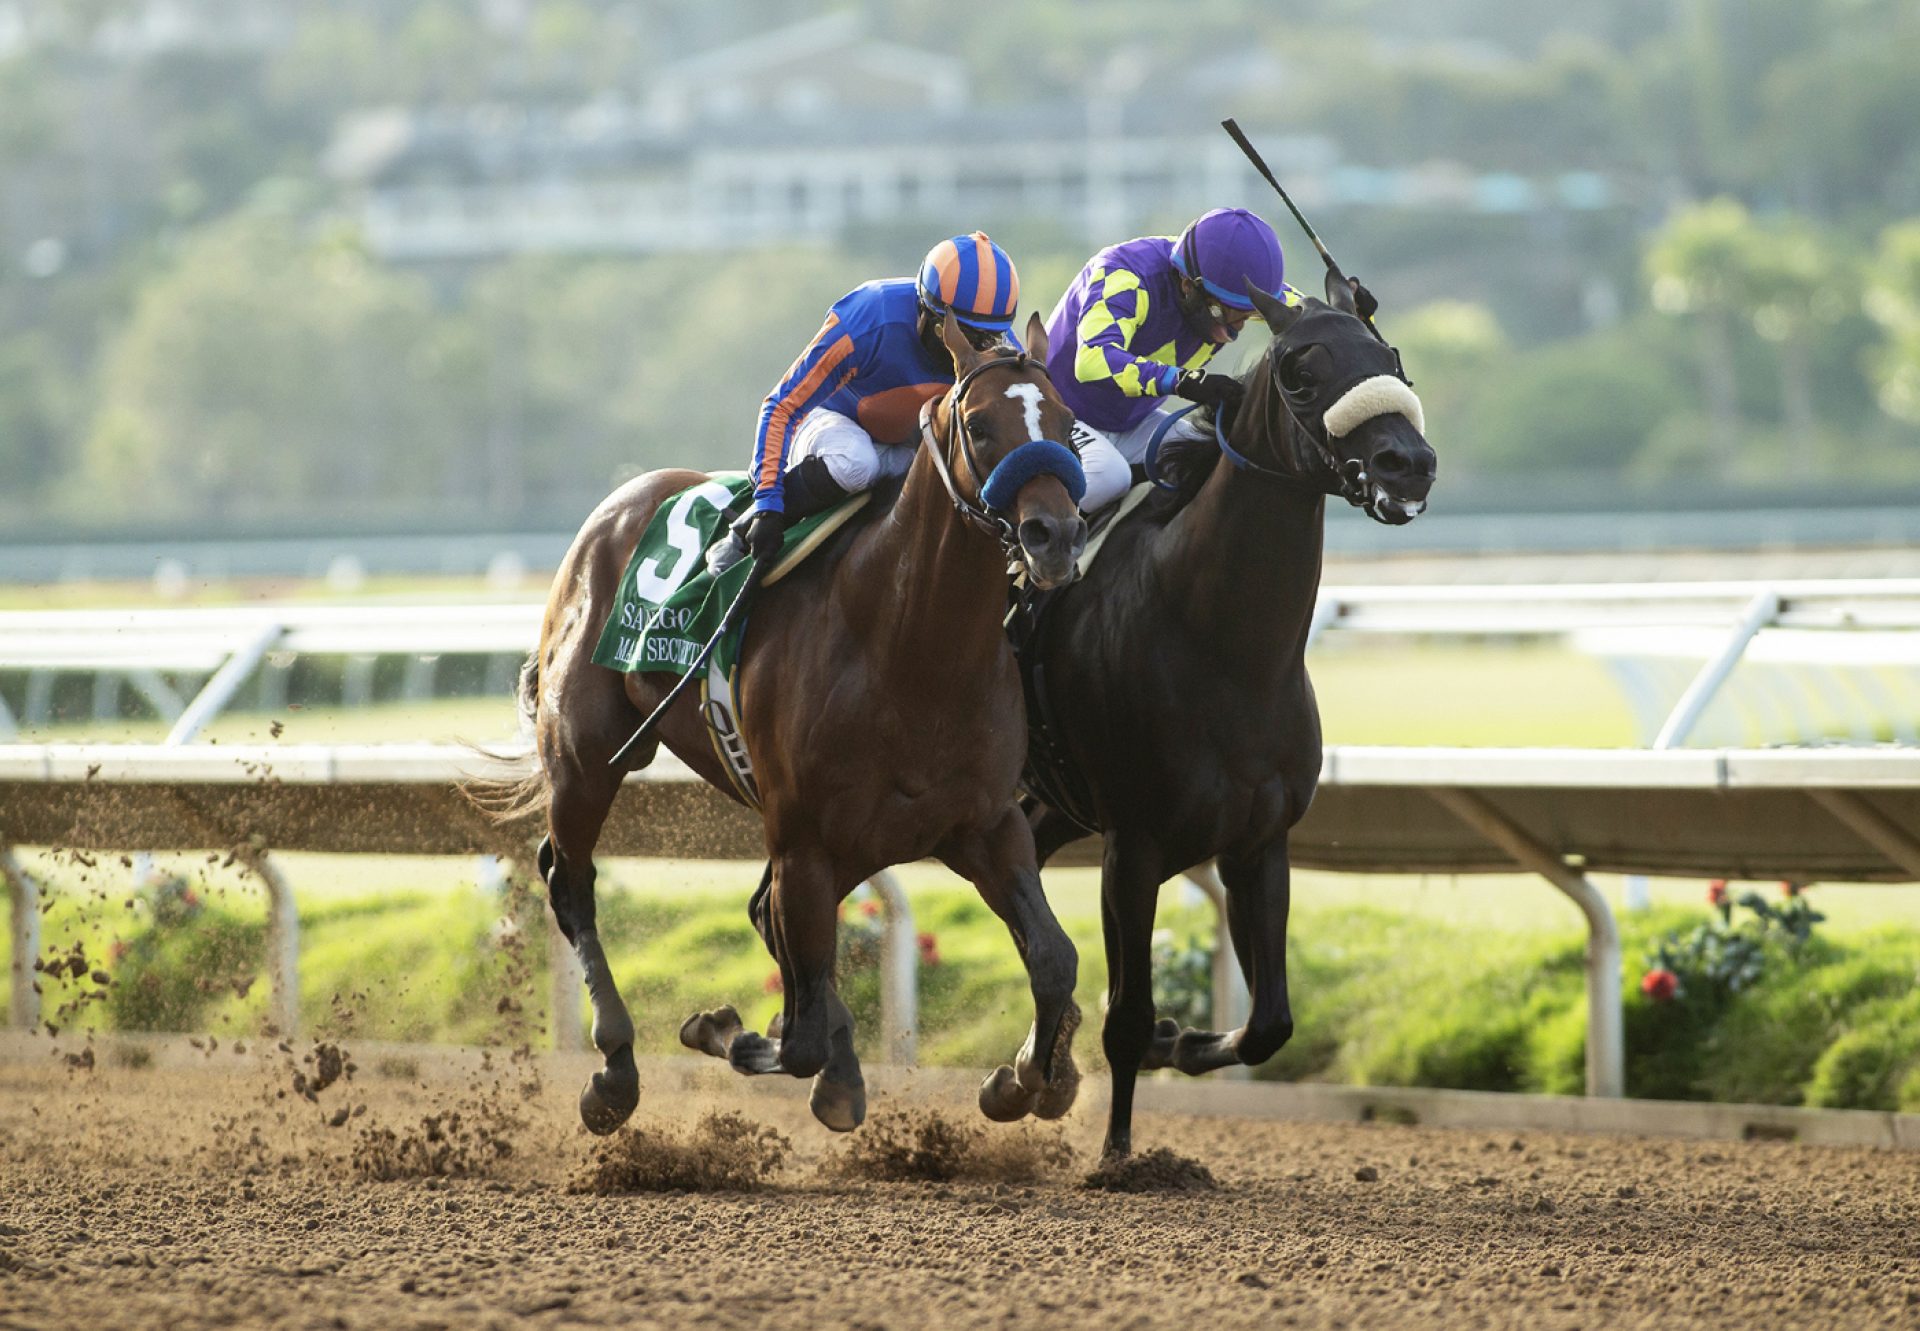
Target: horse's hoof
711	1032
754	1055
1057	1097
1160	1050
1063	1082
839	1105
609	1097
1002	1098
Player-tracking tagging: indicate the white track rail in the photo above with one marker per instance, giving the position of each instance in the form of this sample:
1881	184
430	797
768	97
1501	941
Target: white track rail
1808	815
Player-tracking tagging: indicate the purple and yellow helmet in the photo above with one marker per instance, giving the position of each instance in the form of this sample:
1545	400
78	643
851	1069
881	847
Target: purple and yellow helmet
1226	249
972	279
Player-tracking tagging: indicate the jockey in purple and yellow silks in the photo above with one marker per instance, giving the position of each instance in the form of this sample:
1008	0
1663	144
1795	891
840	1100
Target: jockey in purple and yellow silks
1139	325
847	412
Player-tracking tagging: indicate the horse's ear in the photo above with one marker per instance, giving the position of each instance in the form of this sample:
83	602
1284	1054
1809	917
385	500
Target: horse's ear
1340	295
957	346
1278	314
1037	338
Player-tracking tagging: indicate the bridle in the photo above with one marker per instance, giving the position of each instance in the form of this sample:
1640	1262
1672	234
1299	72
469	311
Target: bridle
1351	473
1036	455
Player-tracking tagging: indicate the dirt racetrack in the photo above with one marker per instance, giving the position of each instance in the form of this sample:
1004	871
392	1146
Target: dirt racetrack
199	1187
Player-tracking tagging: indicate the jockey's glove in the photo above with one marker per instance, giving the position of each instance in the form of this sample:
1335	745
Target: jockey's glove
765	530
1209	389
1363	300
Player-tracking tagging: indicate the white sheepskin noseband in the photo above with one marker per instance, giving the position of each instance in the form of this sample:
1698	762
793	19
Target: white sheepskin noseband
1379	396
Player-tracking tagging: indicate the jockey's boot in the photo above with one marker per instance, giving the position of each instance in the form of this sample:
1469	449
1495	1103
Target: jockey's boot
809	488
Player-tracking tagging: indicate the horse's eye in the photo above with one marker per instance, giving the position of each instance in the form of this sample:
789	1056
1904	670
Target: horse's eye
1296	374
978	427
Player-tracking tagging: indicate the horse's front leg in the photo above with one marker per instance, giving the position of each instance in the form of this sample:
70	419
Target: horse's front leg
1259	892
839	1095
1130	879
999	861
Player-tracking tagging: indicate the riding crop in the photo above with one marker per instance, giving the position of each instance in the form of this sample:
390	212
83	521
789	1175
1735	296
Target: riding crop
727	624
1259	164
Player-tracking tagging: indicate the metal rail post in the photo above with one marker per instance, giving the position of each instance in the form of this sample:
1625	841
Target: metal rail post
226	682
283	945
568	984
1231	1002
1606	1029
1872	826
24	1014
899	971
1761	611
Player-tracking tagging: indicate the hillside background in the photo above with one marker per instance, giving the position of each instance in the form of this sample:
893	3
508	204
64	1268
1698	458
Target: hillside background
365	262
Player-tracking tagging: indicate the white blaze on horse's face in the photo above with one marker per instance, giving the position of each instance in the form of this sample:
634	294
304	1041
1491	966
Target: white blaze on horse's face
1030	394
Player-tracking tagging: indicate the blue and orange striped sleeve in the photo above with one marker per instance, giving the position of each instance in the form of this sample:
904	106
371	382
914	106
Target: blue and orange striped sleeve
827	362
1116	307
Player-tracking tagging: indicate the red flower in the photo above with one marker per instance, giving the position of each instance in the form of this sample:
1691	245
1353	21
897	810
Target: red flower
773	984
1789	888
870	908
929	950
1717	892
1659	985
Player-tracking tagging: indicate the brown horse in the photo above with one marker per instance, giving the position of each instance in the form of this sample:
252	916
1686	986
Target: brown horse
883	715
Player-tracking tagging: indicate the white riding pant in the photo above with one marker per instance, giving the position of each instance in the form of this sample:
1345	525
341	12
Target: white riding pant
856	462
1109	459
853	459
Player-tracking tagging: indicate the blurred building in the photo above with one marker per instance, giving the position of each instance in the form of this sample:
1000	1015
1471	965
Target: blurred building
816	130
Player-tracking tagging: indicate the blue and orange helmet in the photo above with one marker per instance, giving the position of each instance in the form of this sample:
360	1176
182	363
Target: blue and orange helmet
972	279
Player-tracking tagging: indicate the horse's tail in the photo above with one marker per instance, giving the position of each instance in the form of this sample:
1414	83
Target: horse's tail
511	798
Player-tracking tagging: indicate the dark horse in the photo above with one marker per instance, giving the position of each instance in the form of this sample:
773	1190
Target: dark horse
1176	676
882	710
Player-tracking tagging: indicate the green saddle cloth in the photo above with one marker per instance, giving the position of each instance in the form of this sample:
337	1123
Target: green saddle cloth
669	605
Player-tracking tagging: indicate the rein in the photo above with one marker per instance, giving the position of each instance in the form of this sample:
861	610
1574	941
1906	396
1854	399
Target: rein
1353	482
1351	475
985	517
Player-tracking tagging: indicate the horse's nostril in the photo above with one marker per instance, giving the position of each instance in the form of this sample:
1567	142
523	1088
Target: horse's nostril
1390	464
1037	534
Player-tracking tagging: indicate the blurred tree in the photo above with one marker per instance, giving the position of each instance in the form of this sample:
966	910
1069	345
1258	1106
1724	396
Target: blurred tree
1451	348
1796	284
1585	405
1701	266
264	368
37	399
1893	300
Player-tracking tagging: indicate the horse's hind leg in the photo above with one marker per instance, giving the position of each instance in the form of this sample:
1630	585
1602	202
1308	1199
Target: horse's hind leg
1257	901
583	793
1042	1079
839	1095
713	1033
801	929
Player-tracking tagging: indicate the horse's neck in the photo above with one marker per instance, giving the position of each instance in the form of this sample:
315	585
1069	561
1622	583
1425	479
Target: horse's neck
927	590
1242	559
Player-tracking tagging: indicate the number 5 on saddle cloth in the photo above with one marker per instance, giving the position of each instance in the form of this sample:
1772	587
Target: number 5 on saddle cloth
669	606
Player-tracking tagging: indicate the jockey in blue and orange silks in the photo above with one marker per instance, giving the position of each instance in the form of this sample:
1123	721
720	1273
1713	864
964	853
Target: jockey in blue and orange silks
847	413
1139	325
